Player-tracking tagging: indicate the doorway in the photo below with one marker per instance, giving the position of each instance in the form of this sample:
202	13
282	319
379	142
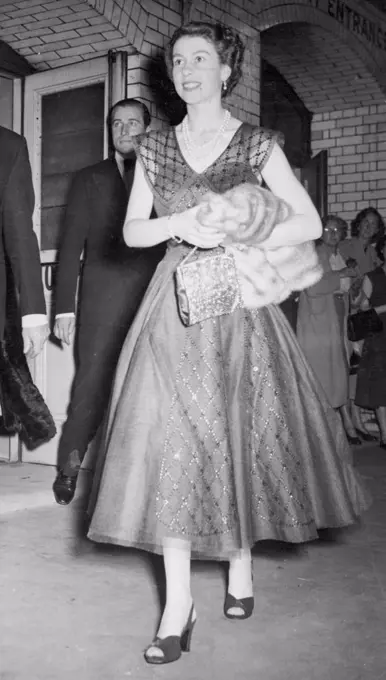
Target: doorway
64	112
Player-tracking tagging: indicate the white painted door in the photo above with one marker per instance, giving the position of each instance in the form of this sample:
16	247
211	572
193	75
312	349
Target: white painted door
50	99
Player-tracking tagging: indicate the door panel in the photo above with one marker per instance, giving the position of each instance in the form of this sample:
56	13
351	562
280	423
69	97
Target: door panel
314	176
66	148
65	111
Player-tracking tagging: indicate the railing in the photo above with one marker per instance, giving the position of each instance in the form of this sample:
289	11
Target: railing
49	274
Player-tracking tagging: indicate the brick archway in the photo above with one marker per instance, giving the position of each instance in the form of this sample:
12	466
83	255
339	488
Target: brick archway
275	14
323	70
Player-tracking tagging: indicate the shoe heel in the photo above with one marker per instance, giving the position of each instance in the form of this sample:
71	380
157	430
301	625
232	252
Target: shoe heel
186	638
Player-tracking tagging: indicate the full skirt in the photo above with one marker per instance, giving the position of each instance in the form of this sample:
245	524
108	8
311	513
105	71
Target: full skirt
218	434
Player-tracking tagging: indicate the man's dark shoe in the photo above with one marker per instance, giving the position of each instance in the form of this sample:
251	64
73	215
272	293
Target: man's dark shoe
64	488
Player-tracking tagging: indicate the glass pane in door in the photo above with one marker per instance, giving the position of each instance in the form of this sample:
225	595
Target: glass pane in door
72	138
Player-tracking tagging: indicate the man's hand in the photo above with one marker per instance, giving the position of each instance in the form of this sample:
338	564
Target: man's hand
34	338
64	328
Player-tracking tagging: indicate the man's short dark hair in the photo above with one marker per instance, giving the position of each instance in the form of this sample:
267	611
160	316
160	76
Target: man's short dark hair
125	103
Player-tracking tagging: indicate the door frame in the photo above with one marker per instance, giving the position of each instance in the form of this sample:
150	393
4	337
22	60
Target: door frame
48	82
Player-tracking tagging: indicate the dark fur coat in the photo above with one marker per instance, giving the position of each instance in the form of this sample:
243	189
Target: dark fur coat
23	408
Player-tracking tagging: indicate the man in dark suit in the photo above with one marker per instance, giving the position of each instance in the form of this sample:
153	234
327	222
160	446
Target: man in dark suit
113	281
18	243
23	321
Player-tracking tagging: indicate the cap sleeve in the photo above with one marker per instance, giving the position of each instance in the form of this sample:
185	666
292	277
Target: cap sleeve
148	148
262	141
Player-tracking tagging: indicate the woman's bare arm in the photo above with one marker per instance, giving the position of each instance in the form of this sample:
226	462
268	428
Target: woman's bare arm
305	224
141	232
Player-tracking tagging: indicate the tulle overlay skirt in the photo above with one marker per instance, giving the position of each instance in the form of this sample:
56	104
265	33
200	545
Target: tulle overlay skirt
218	434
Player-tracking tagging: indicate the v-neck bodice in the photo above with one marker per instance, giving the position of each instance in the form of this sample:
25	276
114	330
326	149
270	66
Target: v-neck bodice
176	186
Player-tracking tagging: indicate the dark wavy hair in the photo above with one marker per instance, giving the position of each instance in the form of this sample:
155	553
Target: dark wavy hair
356	223
227	42
125	103
342	224
380	246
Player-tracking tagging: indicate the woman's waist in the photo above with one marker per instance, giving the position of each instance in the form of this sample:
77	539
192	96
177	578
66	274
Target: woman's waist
184	249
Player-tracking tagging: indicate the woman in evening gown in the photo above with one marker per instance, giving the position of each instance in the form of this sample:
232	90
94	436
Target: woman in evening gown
218	435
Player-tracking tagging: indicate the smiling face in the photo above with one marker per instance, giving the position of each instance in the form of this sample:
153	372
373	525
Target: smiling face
126	122
198	74
332	233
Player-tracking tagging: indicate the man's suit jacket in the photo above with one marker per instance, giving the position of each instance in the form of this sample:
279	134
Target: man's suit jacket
18	243
114	276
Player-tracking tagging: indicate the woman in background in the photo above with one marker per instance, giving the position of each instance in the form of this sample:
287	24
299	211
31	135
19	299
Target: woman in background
371	382
366	229
322	315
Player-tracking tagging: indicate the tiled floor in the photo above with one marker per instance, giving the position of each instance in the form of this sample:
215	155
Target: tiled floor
70	609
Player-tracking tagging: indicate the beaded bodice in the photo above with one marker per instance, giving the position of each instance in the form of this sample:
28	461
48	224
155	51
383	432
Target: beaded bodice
176	186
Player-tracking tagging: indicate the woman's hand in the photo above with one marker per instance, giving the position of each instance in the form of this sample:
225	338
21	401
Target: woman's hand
356	287
187	227
217	209
348	272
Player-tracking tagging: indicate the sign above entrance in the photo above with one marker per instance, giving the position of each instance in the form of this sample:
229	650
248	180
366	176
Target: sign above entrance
357	21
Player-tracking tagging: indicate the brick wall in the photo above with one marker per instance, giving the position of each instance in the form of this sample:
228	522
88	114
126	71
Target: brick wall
52	33
162	19
356	143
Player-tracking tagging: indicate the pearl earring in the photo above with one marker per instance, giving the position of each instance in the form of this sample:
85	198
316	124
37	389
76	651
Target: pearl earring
224	86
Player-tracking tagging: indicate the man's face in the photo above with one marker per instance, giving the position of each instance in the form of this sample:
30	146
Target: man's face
127	122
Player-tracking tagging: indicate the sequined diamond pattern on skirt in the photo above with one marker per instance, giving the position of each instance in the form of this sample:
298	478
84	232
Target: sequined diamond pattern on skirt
217	433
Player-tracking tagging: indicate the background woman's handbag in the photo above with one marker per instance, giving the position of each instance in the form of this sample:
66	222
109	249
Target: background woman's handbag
362	324
206	286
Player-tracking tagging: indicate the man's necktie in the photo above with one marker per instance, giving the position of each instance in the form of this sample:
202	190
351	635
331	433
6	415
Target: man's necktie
128	173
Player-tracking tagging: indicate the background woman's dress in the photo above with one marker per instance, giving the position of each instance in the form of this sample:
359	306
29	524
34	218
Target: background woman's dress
217	433
371	381
321	328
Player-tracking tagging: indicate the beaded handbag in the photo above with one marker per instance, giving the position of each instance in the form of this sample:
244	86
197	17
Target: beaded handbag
207	286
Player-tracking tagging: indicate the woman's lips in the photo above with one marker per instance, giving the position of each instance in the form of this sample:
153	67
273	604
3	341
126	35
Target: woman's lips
191	86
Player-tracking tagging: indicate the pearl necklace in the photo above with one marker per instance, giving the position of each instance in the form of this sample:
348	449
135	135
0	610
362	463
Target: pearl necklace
196	149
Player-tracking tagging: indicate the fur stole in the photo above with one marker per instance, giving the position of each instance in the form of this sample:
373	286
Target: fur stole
24	410
248	214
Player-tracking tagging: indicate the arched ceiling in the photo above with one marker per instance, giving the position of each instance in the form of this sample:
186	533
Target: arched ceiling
325	73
